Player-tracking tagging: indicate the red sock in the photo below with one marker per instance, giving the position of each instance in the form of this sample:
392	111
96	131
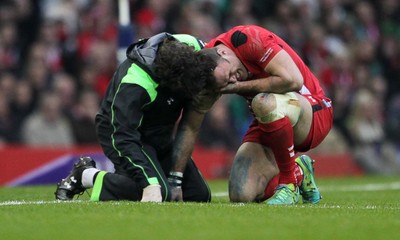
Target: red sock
299	174
270	189
274	182
279	137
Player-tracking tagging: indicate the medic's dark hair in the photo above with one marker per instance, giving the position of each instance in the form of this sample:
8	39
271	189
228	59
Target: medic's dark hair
180	68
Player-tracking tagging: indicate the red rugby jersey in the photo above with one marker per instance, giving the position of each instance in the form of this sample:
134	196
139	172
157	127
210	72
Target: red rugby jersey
256	46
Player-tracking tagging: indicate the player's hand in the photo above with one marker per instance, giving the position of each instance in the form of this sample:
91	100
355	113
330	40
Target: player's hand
230	88
152	193
176	194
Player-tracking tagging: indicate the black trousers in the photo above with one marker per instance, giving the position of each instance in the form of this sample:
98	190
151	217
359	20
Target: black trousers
121	185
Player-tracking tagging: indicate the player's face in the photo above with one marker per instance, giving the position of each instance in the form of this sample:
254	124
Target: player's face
222	74
229	69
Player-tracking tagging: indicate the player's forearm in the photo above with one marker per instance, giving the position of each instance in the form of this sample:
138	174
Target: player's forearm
272	84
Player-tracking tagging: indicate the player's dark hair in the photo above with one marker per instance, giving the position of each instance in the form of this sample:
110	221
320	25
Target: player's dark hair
182	69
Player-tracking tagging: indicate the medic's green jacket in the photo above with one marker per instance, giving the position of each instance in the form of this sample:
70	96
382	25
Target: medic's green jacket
136	111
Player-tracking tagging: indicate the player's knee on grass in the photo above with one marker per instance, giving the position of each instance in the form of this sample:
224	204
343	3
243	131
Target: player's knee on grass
246	196
250	192
244	184
270	107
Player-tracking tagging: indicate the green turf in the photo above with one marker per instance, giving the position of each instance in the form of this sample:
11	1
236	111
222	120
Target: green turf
345	212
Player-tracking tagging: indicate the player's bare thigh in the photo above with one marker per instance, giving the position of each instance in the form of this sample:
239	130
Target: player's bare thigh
270	107
303	125
252	169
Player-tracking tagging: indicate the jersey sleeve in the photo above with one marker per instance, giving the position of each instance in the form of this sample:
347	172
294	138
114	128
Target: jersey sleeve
261	46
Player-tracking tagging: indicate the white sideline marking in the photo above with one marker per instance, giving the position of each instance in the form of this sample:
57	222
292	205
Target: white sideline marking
363	187
9	203
320	206
350	188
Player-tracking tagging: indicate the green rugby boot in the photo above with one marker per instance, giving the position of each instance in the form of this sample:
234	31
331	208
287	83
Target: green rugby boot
308	188
285	194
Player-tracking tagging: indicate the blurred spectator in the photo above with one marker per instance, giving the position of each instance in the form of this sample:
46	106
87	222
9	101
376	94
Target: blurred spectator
366	125
389	17
8	126
239	113
393	120
315	53
65	13
87	77
282	14
83	115
366	26
9	52
196	22
150	19
48	126
37	72
97	23
339	83
103	58
7	83
390	58
217	130
308	11
8	11
18	23
239	14
51	48
65	87
365	55
22	104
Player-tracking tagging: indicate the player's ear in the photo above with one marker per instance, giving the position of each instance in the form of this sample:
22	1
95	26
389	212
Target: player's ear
221	51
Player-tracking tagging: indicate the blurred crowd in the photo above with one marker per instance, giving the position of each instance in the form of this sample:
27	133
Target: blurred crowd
57	56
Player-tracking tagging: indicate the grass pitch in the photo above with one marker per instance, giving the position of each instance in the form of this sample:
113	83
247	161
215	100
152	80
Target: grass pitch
351	208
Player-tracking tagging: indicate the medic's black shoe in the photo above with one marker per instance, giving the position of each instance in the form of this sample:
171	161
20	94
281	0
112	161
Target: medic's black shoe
72	185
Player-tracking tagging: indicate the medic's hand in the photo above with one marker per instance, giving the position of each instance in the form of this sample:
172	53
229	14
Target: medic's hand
204	100
176	194
175	181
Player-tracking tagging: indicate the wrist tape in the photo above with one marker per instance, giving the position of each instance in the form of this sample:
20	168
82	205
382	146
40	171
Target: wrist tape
175	179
